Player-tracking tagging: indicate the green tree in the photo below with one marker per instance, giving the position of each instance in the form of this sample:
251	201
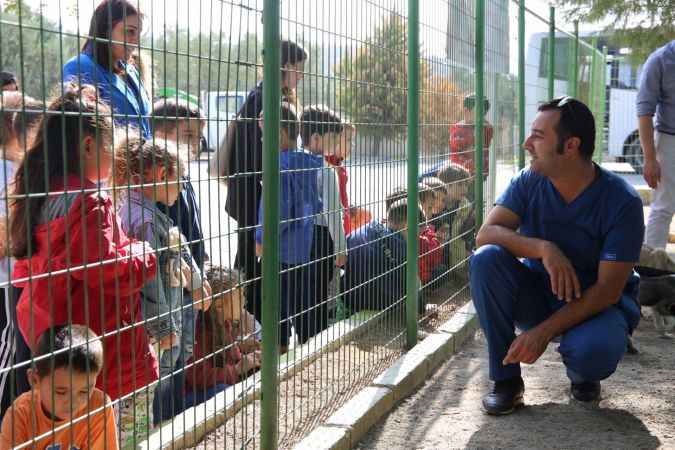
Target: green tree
641	25
34	48
372	89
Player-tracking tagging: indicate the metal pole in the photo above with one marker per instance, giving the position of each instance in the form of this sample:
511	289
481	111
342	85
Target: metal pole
521	83
413	172
603	103
575	65
270	263
479	110
551	53
592	91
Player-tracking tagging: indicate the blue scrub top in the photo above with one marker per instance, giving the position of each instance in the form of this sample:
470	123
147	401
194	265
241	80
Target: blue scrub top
128	99
604	223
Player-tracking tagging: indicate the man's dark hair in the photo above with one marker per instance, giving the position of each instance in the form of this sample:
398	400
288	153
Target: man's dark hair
7	78
73	346
166	113
470	103
576	120
319	119
291	53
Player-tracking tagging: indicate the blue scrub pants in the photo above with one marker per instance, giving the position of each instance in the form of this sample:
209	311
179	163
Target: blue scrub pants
507	294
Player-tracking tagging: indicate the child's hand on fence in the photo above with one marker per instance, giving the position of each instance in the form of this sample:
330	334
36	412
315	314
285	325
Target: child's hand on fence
340	260
249	362
201	297
168	342
249	345
258	250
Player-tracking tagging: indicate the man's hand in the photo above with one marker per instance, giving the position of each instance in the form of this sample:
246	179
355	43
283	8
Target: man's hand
527	347
564	282
651	171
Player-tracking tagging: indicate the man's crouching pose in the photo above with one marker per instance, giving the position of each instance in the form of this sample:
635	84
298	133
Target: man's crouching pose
555	259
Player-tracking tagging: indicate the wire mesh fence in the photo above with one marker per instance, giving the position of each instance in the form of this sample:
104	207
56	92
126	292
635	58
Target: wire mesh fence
186	251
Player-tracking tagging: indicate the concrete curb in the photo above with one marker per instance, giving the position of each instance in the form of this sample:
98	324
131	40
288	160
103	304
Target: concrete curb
345	428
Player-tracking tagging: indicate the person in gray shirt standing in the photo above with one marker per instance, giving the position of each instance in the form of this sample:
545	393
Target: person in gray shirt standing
656	95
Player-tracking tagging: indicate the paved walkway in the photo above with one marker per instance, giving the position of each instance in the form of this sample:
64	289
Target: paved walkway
637	410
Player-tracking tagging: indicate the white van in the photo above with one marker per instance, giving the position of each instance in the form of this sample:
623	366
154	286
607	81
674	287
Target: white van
220	107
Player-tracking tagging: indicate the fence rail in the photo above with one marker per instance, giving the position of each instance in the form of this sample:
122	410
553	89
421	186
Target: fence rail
230	258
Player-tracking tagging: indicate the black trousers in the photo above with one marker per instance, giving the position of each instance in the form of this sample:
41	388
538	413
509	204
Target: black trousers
247	262
13	350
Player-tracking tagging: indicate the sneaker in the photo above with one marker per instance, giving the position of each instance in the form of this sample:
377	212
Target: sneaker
505	397
588	391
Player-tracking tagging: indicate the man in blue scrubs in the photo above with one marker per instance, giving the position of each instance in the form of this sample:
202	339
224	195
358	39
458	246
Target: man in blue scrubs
555	259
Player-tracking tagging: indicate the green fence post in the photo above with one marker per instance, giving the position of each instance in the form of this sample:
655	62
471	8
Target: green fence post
269	400
413	171
575	65
521	83
593	89
551	53
480	106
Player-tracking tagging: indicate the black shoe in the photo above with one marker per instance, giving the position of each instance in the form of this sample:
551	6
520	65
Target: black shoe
588	391
505	396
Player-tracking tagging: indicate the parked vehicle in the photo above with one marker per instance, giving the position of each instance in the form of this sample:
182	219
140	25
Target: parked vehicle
220	107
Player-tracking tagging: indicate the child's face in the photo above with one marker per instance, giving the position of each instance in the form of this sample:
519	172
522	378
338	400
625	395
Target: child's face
346	143
326	144
457	191
187	135
97	158
228	306
64	392
167	187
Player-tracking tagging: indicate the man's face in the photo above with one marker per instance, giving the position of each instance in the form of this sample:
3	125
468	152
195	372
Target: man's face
542	143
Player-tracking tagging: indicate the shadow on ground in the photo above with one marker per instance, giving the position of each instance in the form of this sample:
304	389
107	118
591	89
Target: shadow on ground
637	410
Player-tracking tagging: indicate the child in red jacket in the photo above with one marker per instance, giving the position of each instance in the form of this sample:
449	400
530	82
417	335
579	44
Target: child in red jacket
431	253
226	346
74	262
462	136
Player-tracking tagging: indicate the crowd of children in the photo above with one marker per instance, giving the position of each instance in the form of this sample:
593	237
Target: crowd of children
125	321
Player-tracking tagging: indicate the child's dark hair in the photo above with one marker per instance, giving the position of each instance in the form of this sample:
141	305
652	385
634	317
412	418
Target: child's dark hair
395	195
289	121
106	15
136	155
319	119
470	103
426	194
166	113
54	152
397	213
72	346
435	184
10	103
222	279
27	119
451	173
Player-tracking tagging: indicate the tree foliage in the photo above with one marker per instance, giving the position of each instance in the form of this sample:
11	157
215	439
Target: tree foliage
641	25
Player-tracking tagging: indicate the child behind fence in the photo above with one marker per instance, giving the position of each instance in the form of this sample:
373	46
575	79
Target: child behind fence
65	409
226	346
152	174
299	205
180	123
74	262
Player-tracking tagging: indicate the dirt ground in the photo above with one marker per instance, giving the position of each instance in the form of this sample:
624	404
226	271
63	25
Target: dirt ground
637	410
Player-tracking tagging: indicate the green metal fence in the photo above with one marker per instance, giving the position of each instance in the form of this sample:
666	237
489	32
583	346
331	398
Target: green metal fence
412	118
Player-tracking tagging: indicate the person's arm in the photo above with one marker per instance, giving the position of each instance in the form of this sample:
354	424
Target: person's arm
612	277
16	428
649	95
500	229
333	209
652	169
